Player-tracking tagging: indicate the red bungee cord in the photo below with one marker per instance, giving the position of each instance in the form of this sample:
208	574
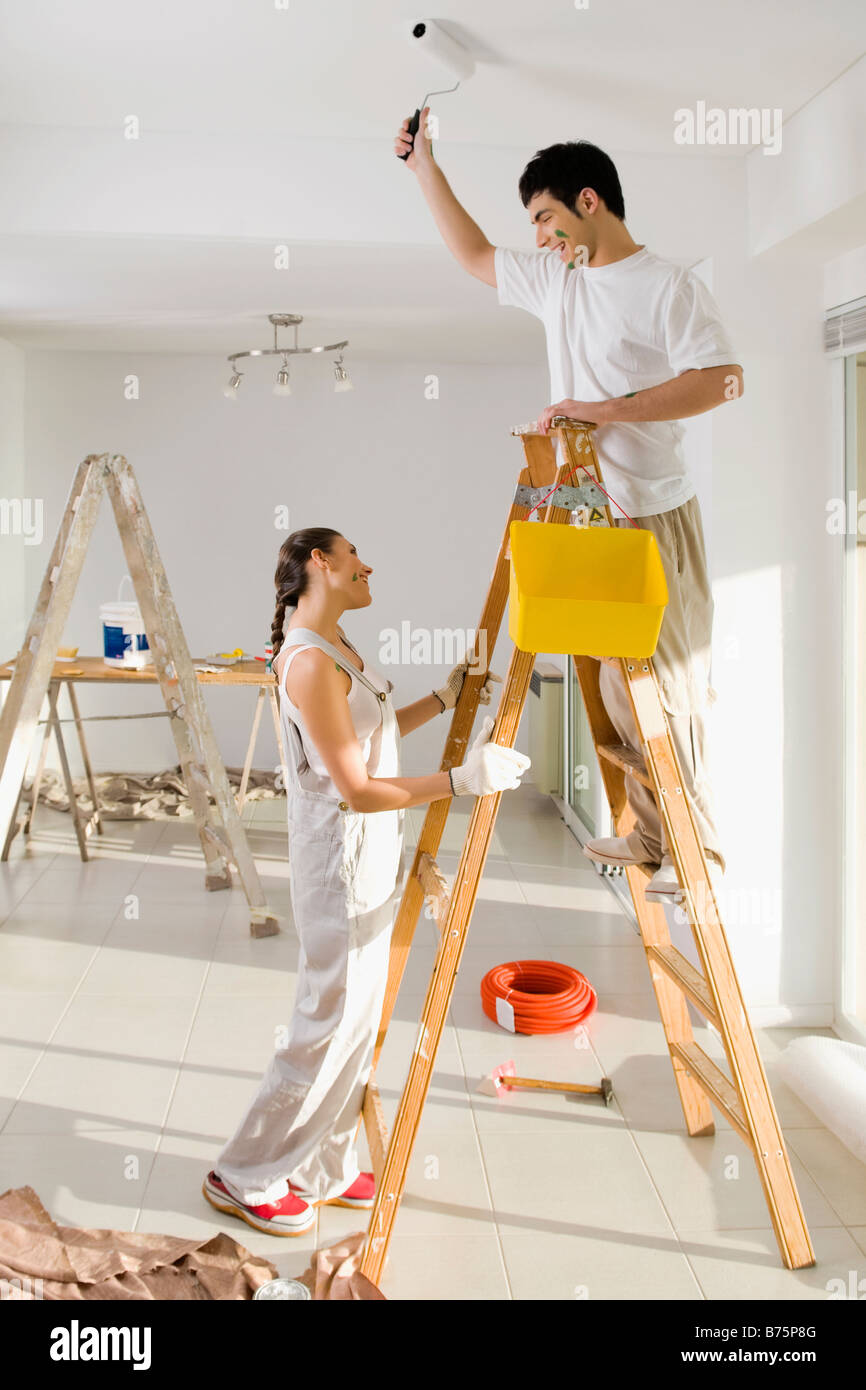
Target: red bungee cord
570	474
547	997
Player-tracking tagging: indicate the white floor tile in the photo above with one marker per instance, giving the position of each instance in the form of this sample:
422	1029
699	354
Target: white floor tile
126	969
92	1180
93	1092
446	1192
835	1169
98	881
28	1020
87	923
859	1234
17	877
148	1028
746	1264
41	965
710	1183
609	1265
454	1267
590	1182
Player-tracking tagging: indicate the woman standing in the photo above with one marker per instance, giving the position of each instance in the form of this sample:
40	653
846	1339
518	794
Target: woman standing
295	1146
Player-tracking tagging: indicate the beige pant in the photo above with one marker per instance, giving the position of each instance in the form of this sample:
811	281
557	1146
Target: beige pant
682	665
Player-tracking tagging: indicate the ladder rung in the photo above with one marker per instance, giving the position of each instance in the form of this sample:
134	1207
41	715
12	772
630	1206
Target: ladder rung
435	886
718	1087
684	974
377	1130
625	758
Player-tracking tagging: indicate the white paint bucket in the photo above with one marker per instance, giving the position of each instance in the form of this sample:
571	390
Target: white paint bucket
124	640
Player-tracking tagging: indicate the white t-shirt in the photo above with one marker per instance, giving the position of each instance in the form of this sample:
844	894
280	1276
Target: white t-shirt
614	329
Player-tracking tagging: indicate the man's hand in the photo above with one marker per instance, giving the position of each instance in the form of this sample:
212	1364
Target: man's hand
693	392
421	147
592	412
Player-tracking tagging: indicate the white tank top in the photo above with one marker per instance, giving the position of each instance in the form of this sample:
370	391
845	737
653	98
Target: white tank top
381	755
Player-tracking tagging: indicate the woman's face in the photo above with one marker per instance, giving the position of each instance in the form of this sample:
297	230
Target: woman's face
349	574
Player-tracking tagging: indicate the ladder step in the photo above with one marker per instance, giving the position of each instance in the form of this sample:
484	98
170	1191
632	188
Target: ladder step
625	758
683	973
435	886
377	1130
719	1088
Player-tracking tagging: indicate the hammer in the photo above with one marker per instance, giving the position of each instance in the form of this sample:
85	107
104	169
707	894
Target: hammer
503	1078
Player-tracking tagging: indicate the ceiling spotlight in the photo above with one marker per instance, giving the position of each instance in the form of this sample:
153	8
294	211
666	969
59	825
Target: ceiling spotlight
231	391
283	386
341	377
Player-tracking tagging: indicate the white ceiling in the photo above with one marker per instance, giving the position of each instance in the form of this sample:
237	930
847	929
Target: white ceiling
319	70
545	69
154	295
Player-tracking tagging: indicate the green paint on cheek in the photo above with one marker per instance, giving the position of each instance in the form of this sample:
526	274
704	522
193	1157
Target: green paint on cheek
559	233
354	577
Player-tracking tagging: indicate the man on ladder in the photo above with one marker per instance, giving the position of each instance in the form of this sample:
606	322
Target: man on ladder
634	344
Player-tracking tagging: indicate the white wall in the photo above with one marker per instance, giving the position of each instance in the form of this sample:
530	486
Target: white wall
13	542
423	487
777	642
845	277
819	177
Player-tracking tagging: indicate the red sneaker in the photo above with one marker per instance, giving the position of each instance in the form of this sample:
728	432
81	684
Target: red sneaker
291	1216
360	1194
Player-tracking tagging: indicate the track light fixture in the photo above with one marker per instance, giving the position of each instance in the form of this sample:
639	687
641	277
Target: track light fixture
282	386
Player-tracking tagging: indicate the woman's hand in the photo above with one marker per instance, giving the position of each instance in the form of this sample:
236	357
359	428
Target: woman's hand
449	694
490	767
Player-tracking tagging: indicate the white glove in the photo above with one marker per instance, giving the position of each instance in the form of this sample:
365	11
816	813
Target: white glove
489	767
449	694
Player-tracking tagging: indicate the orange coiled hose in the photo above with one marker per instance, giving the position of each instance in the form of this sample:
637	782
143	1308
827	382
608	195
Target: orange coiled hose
547	997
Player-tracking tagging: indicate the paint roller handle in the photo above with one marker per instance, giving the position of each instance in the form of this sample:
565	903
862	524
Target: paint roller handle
413	131
421	150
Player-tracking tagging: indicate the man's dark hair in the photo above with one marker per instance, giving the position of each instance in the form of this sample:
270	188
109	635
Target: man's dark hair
563	170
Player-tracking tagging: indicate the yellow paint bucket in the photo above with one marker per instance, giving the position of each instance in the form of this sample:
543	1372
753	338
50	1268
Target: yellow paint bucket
585	590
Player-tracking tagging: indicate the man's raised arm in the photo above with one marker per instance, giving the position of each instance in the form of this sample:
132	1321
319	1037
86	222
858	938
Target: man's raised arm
463	237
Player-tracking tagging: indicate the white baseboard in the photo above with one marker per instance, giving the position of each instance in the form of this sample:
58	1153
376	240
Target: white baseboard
791	1015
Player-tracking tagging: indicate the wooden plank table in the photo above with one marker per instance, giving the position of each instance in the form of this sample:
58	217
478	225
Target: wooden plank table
90	670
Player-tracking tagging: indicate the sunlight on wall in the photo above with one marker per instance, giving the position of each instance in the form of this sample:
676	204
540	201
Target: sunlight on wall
746	750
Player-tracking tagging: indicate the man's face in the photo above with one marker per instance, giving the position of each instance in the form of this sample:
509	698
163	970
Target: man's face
550	218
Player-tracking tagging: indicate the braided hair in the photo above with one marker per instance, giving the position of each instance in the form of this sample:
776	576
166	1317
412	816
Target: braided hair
291	578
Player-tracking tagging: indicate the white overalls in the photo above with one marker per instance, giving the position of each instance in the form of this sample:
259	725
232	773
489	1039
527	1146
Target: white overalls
345	869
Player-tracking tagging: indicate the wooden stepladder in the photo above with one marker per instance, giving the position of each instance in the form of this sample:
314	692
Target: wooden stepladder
744	1095
223	839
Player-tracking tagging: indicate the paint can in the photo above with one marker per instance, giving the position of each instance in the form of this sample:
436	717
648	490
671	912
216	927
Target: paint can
124	640
283	1289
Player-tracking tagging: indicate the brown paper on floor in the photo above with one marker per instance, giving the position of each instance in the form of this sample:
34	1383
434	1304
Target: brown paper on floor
142	796
334	1273
78	1263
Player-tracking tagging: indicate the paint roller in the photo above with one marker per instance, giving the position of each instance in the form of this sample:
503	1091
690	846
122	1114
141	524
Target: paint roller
428	38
